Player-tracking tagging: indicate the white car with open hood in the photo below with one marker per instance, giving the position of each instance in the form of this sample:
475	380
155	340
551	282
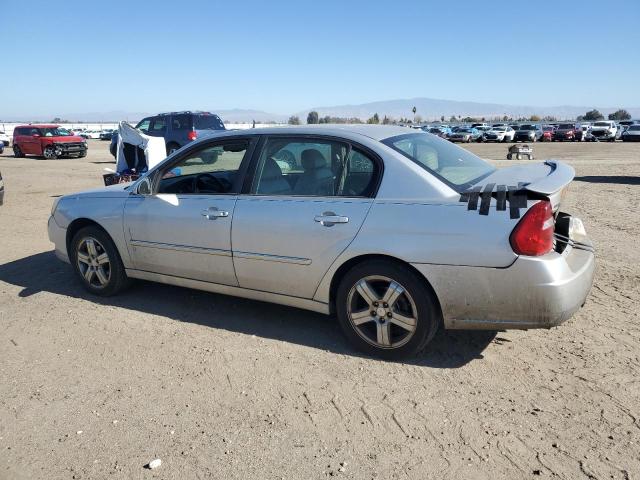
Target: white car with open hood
395	231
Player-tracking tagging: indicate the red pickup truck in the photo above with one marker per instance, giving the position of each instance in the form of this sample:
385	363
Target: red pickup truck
49	141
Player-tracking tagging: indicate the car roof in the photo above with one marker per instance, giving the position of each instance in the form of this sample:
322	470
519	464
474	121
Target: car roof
39	125
375	132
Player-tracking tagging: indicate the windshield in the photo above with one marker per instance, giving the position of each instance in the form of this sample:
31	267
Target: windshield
207	122
455	166
547	129
528	127
634	127
565	126
55	132
601	124
464	130
500	129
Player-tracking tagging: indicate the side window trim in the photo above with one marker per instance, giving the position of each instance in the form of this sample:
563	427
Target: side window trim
351	145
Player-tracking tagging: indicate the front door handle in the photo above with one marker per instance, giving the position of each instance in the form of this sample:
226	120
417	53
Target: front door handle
212	213
329	219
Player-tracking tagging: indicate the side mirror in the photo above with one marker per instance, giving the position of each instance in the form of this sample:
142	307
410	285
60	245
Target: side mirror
144	187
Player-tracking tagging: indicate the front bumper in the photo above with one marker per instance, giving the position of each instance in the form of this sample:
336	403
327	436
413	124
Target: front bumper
58	236
534	292
73	148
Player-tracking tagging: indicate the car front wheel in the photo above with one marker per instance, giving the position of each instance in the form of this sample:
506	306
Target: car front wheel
387	310
49	152
97	262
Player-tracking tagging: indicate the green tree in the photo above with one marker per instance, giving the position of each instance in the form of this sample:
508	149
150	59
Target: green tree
534	118
293	120
592	116
386	120
619	115
375	119
312	118
442	118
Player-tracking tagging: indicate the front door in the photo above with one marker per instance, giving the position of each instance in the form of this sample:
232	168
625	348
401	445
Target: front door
184	228
308	200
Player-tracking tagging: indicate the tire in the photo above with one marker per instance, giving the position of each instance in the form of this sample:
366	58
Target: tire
172	147
518	157
49	152
82	155
17	152
399	330
509	156
99	275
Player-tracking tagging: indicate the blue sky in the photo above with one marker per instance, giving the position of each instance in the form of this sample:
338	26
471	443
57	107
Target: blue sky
287	56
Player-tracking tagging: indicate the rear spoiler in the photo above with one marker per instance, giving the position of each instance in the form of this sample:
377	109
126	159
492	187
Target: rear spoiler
552	185
559	177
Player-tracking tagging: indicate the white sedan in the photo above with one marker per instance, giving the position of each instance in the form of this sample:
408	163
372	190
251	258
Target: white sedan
501	133
95	134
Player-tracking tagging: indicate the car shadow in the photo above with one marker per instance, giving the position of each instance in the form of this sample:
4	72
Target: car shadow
43	272
621	179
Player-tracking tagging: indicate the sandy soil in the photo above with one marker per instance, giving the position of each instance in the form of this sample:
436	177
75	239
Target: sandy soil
219	387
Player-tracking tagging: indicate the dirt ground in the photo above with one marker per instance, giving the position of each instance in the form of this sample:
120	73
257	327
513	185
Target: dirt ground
220	387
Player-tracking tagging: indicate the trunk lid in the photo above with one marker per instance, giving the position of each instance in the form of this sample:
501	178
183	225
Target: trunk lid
547	179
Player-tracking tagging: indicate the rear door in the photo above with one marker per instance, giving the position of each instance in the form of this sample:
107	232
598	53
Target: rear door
306	201
183	229
31	141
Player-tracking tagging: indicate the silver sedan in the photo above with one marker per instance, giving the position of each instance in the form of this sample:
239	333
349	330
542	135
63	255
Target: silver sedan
396	232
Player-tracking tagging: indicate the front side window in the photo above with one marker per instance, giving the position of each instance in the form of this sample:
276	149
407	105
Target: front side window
456	166
310	167
144	124
158	126
212	169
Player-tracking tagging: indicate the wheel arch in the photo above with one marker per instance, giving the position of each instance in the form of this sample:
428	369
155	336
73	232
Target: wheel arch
352	262
79	223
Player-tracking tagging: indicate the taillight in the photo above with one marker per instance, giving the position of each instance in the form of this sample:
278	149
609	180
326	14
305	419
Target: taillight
192	135
533	234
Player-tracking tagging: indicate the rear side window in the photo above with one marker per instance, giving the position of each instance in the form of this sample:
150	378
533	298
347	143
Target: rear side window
207	122
181	122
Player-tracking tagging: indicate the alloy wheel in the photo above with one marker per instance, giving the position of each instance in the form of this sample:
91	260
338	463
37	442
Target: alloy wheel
49	153
93	262
382	312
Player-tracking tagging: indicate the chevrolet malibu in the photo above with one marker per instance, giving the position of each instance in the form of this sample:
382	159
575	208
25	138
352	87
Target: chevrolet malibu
396	232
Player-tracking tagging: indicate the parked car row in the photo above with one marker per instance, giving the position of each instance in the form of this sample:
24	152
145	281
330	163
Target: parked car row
604	130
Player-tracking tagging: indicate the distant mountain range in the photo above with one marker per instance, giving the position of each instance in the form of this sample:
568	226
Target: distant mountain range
433	109
427	108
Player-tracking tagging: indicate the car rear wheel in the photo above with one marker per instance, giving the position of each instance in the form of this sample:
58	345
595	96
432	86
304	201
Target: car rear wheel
17	152
387	310
49	152
97	262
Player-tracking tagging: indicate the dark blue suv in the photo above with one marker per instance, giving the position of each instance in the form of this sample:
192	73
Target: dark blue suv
177	128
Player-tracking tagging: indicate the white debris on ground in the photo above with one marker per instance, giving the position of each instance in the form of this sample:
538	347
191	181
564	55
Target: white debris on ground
153	464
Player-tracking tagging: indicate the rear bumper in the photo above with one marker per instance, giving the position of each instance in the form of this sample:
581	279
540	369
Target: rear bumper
58	236
534	292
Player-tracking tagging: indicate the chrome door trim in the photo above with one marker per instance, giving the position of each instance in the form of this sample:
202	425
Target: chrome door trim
273	258
304	303
180	248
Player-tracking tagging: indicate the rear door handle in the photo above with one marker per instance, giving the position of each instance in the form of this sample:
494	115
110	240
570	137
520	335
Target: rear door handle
329	219
212	213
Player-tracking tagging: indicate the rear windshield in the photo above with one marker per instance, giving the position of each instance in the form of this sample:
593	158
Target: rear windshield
455	166
566	126
601	124
528	127
207	122
634	127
